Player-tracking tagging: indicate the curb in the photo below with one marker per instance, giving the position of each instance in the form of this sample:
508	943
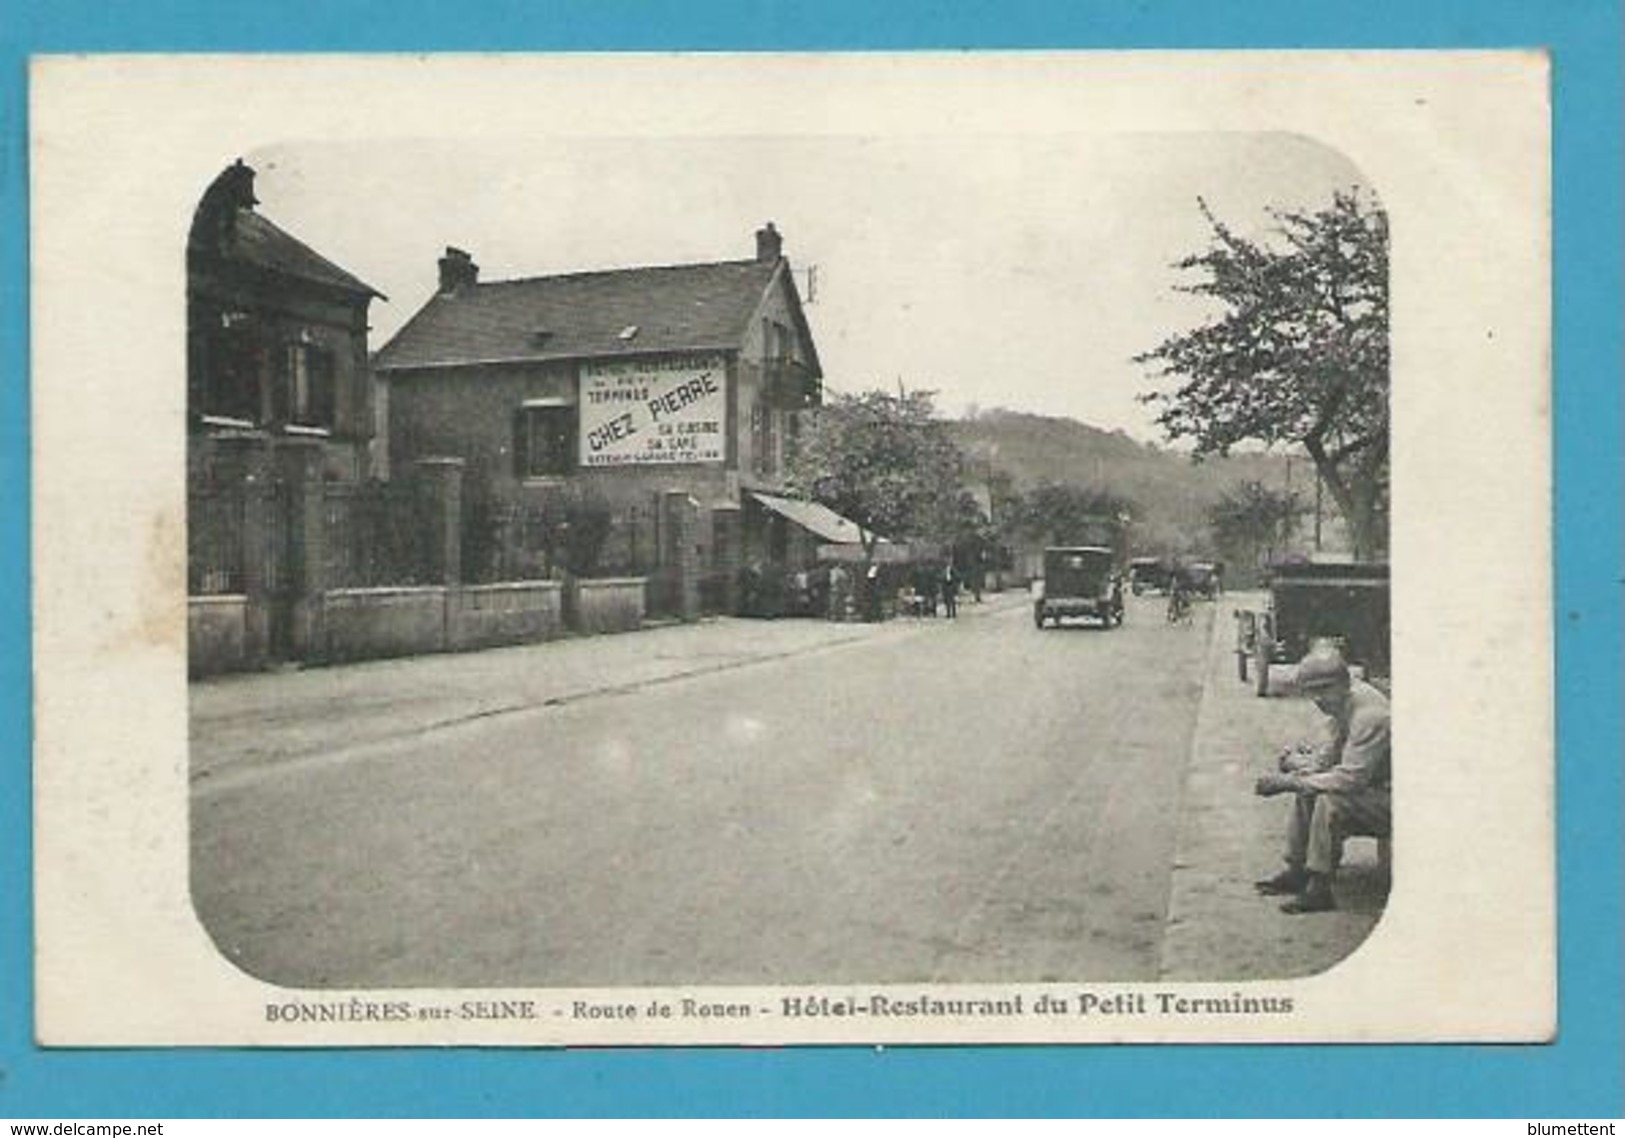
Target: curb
1217	927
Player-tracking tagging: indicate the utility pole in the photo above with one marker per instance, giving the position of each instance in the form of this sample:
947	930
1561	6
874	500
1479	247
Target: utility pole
1318	485
1285	525
989	454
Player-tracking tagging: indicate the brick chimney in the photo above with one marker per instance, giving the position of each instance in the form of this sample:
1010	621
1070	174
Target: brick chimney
236	185
769	244
457	270
214	222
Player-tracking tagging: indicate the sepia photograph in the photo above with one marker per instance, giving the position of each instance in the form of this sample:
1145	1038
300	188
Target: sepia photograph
782	575
593	583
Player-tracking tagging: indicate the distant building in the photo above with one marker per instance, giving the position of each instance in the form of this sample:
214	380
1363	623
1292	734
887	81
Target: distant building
639	386
276	338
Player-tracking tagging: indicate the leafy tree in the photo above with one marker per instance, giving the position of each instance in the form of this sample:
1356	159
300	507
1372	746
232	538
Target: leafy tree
1062	513
966	534
885	461
1298	354
1251	522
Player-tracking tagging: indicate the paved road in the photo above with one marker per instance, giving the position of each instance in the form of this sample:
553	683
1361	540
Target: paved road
949	801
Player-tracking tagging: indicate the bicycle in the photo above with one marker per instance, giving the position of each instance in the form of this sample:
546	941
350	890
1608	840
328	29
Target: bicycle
1179	607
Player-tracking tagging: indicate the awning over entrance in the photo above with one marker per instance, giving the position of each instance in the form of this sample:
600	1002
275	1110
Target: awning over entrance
885	553
839	538
820	521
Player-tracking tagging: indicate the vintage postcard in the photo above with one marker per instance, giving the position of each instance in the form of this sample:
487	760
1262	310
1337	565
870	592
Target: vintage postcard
774	549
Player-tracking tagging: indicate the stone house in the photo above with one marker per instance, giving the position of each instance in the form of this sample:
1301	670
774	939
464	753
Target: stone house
667	394
276	338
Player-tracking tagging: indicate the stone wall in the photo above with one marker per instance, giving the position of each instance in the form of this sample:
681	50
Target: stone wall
363	624
609	604
519	612
215	634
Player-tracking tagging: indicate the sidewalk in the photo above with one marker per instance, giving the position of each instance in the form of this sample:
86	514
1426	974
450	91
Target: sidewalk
265	717
1218	927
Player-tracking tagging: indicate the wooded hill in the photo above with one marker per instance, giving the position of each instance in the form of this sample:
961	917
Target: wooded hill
1170	493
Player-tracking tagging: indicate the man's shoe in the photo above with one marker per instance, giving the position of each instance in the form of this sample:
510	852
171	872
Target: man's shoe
1316	898
1287	881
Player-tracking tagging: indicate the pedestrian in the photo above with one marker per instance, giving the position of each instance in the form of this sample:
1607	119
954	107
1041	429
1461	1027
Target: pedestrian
750	589
840	593
1340	788
818	592
950	591
908	601
926	585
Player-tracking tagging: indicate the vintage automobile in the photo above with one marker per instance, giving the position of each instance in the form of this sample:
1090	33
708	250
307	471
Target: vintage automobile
1341	605
1204	579
1079	580
1148	575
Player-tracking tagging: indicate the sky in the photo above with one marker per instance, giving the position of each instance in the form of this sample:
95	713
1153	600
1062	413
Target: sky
1018	271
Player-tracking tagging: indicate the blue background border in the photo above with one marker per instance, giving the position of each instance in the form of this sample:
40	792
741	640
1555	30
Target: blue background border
1578	1076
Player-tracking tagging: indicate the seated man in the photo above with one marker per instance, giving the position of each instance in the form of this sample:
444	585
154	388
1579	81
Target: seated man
1341	788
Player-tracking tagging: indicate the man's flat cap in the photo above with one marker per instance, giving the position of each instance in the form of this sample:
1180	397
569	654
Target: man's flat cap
1321	671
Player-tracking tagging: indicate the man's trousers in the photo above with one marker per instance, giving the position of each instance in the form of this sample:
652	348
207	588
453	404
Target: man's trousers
1320	822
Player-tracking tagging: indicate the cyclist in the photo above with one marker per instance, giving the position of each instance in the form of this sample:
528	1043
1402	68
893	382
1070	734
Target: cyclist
1179	599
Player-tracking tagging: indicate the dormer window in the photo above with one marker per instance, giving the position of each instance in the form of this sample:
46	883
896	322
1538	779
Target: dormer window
630	332
541	336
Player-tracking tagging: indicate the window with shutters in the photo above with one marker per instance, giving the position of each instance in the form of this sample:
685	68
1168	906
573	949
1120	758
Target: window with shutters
308	395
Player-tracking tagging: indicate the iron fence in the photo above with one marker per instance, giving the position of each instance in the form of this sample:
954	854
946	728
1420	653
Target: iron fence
214	542
380	534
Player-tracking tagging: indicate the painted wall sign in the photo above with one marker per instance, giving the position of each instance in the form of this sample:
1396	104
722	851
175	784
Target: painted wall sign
648	412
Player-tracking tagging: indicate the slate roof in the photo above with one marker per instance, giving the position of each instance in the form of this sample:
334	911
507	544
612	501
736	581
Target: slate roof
584	315
261	243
